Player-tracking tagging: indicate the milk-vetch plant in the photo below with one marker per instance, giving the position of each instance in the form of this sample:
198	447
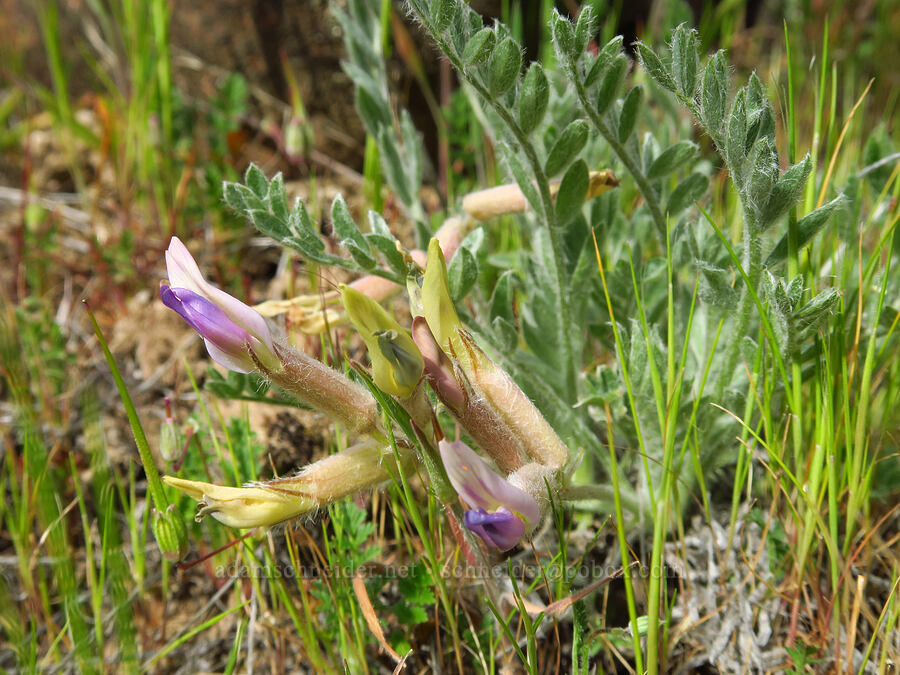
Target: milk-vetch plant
631	322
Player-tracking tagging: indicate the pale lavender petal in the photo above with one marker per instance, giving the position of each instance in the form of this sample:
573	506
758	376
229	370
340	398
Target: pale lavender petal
239	363
184	273
205	318
480	487
500	528
227	343
182	268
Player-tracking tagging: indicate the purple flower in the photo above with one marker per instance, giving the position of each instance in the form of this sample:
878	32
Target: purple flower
230	329
499	512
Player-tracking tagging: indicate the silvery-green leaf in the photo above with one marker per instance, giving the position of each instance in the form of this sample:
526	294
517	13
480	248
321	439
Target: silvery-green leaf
572	192
503	297
787	190
533	99
442	13
686	193
269	225
795	290
612	80
387	247
277	198
505	333
462	273
628	117
563	33
305	239
371	111
685	60
393	165
585	28
378	225
714	94
479	48
762	180
649	151
811	316
655	67
349	235
807	227
715	287
735	153
523	177
234	196
255	179
504	67
760	113
672	158
569	144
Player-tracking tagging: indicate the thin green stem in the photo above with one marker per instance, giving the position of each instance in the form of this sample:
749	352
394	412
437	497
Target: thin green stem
630	163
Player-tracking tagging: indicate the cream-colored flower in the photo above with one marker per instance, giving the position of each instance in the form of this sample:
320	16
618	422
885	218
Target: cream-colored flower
243	507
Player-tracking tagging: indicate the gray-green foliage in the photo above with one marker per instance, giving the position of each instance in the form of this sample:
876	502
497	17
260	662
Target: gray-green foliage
264	203
398	143
668	273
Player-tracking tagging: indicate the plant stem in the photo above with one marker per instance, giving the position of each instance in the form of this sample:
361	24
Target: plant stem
752	264
643	183
565	335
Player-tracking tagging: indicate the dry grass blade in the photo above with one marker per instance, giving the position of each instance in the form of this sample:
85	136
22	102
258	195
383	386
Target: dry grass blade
365	604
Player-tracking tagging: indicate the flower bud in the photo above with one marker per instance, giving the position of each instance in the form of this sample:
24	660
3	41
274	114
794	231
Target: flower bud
508	199
171	533
437	304
169	436
396	361
498	413
498	389
235	334
263	504
241	507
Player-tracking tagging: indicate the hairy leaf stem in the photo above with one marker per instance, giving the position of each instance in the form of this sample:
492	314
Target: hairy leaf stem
565	336
643	183
752	264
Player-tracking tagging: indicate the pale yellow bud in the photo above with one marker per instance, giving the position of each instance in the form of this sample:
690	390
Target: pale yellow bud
242	507
263	504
